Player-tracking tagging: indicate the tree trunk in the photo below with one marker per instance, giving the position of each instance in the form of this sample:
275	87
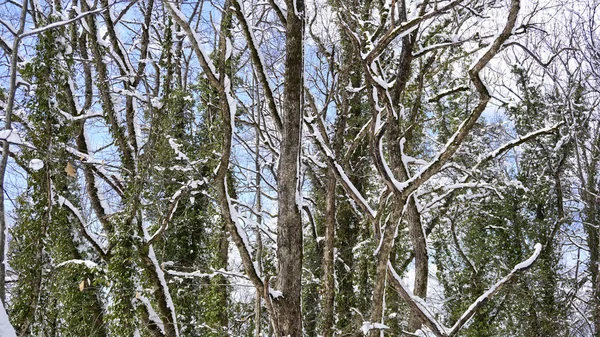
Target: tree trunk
289	222
328	256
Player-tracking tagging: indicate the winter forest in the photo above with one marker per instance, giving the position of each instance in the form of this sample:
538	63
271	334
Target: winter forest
300	168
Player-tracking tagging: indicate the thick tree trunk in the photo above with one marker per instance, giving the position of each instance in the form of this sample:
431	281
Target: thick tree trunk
413	216
289	222
328	256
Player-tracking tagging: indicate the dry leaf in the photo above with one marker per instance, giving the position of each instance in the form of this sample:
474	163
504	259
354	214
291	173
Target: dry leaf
137	295
82	285
70	169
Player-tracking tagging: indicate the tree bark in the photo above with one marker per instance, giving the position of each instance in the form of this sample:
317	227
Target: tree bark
6	147
289	222
328	256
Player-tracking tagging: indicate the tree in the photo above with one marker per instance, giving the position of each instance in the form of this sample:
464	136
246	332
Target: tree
283	167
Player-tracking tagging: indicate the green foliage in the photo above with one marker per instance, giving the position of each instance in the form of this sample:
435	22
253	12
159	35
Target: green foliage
498	233
47	299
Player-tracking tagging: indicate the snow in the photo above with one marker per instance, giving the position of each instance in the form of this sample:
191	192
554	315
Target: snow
510	144
275	293
319	137
353	90
152	315
156	103
376	100
228	48
9	26
230	101
137	128
354	190
100	32
197	273
175	146
102	198
397	185
65	202
89	264
36	164
10	136
368	326
235	218
527	263
28	32
175	11
165	287
6	329
490	292
419	302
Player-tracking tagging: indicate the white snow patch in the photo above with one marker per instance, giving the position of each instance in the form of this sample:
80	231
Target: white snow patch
163	282
368	326
36	164
275	293
6	329
10	136
87	263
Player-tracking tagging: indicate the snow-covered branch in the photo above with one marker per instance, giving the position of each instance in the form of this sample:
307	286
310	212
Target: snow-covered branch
422	310
258	60
82	224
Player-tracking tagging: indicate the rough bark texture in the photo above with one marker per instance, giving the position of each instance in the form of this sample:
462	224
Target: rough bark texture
398	129
328	257
289	222
403	128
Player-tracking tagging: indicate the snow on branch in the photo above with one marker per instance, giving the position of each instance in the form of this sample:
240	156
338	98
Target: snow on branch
152	314
205	61
465	182
165	288
200	274
338	170
173	202
83	117
416	304
465	127
420	308
11	136
60	23
258	61
368	326
405	28
486	296
87	263
62	201
516	142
